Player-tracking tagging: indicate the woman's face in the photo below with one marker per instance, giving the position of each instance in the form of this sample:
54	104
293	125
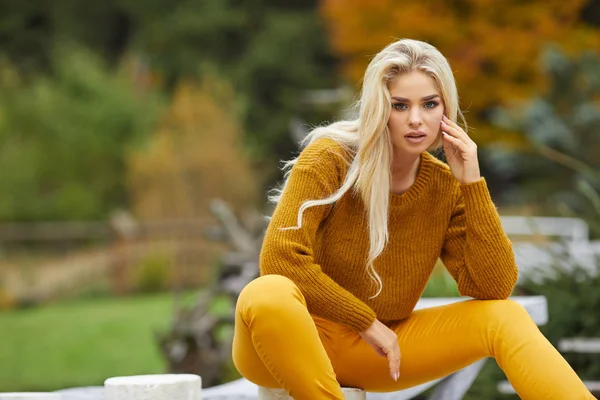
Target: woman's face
417	110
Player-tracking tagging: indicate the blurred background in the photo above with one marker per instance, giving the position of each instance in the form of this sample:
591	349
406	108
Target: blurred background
138	140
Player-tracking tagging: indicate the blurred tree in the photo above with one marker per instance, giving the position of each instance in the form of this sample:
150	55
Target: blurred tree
491	45
193	157
63	139
30	30
591	12
272	51
561	169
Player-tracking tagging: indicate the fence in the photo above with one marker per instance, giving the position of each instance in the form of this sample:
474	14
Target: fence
45	260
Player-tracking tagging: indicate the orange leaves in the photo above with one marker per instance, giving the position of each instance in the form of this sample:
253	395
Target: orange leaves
493	46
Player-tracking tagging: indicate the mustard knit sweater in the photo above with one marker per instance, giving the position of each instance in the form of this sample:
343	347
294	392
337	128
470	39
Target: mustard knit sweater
436	217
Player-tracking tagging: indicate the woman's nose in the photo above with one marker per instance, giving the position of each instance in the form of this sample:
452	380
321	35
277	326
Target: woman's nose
415	117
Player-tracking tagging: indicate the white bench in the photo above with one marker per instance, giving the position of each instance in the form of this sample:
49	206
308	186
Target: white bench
30	396
567	229
541	242
452	387
280	394
582	346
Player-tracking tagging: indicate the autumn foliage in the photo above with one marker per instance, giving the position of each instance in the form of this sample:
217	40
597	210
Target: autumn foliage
493	46
194	156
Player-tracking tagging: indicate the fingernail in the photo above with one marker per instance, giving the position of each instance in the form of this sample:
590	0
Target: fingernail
396	376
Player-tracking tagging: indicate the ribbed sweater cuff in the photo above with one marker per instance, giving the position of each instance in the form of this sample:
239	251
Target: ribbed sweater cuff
361	319
336	304
477	190
477	195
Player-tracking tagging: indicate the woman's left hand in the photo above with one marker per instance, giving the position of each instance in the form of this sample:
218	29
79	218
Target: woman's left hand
461	152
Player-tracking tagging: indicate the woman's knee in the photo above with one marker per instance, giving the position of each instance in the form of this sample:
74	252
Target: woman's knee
268	294
506	311
507	319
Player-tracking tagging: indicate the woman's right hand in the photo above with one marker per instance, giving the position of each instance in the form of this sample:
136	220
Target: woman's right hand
385	342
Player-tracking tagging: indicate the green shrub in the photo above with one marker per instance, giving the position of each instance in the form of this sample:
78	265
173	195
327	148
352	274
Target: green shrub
153	273
573	311
66	136
7	301
441	284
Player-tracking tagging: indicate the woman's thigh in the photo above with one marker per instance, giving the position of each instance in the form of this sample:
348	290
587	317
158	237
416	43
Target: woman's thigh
276	340
247	358
434	342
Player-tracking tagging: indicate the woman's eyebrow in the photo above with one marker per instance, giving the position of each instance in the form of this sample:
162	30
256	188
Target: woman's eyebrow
430	97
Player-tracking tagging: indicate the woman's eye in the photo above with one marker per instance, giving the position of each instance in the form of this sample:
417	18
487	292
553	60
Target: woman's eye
402	106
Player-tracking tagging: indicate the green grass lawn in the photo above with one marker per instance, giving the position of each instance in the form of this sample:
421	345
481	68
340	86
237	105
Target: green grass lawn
81	342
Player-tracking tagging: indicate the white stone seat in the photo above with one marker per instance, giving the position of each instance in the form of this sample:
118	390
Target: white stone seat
280	394
154	387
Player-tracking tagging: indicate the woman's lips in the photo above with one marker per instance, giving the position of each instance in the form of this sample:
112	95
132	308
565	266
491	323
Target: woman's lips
416	133
415	137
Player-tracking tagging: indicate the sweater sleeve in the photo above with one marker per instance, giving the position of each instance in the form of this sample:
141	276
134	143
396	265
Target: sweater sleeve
290	252
476	251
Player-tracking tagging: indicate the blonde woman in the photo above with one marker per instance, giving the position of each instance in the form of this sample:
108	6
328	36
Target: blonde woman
363	215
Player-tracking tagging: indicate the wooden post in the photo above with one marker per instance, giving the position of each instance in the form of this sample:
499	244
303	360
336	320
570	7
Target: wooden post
126	229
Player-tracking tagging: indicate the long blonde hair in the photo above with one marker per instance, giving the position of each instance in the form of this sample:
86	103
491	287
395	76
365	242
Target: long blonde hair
369	139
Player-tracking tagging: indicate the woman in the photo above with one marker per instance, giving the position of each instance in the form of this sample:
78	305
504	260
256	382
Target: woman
363	215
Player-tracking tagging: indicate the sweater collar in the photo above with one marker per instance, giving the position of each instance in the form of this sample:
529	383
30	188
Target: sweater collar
417	188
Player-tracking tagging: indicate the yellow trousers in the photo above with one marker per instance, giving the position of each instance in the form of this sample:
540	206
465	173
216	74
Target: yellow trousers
278	343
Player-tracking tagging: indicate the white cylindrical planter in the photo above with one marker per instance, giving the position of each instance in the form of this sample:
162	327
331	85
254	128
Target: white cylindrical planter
154	387
30	396
280	394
